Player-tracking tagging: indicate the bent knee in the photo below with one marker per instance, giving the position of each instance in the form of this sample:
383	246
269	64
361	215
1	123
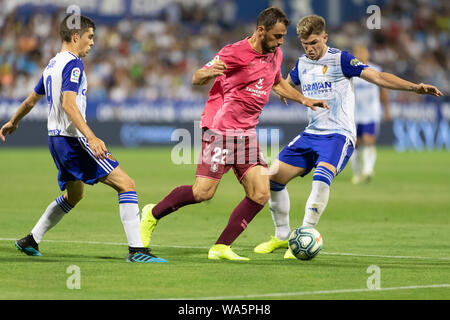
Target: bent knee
201	195
131	185
74	198
204	189
261	197
126	185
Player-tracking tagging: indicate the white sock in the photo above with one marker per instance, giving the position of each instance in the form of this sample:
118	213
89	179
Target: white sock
355	160
369	157
129	214
316	203
52	215
279	205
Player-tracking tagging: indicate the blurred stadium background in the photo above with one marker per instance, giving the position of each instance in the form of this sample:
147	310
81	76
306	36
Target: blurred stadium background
139	72
140	91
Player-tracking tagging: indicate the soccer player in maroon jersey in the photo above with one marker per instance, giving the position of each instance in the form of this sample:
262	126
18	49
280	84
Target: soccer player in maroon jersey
244	74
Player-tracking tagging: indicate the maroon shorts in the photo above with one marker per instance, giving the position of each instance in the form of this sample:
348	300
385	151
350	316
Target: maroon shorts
220	153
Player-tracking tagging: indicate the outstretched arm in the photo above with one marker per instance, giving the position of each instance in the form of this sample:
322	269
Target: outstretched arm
285	90
390	81
24	108
384	99
70	107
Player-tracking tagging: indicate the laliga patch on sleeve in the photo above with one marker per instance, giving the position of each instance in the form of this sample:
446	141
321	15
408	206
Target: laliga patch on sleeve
355	62
211	63
75	75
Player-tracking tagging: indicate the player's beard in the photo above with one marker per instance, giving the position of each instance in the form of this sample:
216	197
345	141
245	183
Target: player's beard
265	47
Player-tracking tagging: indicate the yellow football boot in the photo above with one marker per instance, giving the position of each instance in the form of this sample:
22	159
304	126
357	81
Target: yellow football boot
271	245
222	251
148	224
288	254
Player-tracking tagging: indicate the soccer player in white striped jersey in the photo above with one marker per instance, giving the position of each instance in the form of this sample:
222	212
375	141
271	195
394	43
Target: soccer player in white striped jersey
370	100
79	155
328	141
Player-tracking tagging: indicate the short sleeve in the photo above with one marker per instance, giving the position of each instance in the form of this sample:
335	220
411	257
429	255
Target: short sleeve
211	62
351	67
278	77
229	56
294	74
375	67
71	75
39	88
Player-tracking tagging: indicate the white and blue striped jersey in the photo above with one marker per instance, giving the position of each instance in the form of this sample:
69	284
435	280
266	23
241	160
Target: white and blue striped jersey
367	100
64	72
330	79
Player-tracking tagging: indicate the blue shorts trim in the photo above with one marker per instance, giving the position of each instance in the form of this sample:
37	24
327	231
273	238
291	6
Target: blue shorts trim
307	150
367	128
75	161
275	186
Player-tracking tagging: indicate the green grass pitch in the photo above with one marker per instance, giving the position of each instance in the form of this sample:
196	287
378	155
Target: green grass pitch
399	223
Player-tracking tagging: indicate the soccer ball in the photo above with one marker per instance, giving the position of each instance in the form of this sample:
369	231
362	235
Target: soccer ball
305	243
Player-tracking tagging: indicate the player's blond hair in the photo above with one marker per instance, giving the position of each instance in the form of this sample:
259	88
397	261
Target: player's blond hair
309	25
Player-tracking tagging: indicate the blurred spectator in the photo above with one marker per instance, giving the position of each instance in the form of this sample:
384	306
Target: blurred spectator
153	59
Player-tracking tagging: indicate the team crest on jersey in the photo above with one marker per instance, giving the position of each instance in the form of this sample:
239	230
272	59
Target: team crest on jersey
75	75
214	167
324	69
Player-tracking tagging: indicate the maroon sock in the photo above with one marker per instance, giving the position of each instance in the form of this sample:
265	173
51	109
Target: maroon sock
241	216
179	197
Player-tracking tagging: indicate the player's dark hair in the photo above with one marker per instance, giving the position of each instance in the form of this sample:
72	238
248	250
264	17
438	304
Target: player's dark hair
72	24
270	16
309	25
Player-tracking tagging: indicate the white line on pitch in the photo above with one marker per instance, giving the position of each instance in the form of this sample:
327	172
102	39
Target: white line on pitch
383	256
305	293
199	247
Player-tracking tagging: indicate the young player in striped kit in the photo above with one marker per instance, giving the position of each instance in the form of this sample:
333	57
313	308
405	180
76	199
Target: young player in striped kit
328	141
79	155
